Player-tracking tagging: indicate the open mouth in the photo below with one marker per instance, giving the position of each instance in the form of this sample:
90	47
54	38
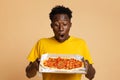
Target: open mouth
62	35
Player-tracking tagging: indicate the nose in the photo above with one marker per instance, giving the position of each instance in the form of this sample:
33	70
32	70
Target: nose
61	27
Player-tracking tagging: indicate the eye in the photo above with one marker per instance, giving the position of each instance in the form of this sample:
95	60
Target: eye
65	24
55	24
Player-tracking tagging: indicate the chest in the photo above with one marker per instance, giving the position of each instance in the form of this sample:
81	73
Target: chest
71	48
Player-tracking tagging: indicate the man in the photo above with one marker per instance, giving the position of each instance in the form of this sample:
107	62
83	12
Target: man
60	43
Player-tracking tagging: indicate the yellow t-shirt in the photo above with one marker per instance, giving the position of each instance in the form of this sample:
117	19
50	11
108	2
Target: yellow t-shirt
72	45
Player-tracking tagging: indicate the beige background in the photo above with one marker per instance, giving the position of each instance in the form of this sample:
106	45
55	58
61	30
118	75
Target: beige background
23	22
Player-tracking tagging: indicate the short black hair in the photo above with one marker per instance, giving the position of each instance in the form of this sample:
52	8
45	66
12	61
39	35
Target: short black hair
60	10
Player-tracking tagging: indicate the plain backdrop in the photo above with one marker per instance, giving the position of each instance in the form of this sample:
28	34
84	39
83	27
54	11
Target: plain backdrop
24	22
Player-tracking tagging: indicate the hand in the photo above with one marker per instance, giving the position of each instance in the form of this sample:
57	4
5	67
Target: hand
86	63
35	65
90	70
32	69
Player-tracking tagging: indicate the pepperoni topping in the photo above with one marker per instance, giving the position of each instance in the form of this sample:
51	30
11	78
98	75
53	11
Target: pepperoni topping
62	63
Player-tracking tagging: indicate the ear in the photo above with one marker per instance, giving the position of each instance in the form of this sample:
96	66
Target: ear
51	25
70	24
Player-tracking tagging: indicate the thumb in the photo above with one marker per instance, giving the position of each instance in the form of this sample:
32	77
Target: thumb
86	63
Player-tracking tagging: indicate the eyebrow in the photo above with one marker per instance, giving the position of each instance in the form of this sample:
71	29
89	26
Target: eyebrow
62	20
62	17
65	19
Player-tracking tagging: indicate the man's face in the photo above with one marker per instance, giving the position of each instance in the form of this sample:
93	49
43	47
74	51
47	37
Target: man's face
61	25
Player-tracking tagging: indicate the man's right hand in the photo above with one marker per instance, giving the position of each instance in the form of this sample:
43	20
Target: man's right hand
31	69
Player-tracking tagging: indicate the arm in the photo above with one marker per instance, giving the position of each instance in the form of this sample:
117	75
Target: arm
90	70
32	69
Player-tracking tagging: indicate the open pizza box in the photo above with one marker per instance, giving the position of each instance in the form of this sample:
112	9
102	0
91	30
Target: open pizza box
43	68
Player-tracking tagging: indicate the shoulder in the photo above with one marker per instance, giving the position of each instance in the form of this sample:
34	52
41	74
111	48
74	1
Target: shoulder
77	39
45	39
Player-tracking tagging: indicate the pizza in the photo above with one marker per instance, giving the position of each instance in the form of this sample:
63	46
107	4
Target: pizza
62	63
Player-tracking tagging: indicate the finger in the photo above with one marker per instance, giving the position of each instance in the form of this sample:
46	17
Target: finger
86	63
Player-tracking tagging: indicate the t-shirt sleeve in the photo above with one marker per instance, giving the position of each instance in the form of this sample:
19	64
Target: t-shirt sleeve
86	52
34	53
